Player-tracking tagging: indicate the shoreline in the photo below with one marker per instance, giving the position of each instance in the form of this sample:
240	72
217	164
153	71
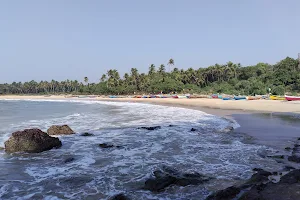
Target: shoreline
268	122
219	104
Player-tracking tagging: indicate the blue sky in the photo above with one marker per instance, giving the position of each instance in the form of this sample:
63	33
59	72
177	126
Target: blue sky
70	39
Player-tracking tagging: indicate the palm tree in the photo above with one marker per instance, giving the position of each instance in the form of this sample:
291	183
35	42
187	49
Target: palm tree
151	70
161	69
170	63
86	79
103	78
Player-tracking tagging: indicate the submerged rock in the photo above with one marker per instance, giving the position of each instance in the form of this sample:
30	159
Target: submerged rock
193	129
226	194
151	128
86	134
294	158
69	160
31	141
60	130
105	145
167	177
119	197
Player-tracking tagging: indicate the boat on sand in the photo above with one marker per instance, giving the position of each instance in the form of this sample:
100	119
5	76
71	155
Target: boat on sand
292	98
273	97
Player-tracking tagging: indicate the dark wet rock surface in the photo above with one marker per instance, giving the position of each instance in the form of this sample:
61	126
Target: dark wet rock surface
68	160
151	128
86	134
166	177
107	145
60	130
260	187
119	197
31	141
193	129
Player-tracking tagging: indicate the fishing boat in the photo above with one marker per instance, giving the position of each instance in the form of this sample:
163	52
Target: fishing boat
239	98
277	97
253	98
292	98
112	96
145	96
138	96
227	98
214	96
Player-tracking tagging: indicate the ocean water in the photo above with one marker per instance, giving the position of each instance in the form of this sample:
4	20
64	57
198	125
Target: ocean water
99	173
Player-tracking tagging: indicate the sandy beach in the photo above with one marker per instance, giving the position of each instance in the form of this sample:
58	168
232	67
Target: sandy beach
241	105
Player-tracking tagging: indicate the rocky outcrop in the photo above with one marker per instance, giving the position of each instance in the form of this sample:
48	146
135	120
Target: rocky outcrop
31	141
259	186
60	130
167	177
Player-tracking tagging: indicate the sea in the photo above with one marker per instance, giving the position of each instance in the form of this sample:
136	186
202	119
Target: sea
97	173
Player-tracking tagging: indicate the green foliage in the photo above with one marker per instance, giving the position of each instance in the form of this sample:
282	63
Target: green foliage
230	78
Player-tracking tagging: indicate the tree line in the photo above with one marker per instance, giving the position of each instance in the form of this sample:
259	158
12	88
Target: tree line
230	78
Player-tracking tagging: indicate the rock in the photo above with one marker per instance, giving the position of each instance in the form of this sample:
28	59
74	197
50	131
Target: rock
288	148
160	183
167	177
104	145
193	129
86	134
291	177
119	197
260	177
289	168
152	128
226	194
294	158
31	141
69	160
277	156
228	129
60	130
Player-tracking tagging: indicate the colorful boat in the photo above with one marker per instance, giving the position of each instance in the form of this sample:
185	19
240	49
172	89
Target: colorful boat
253	98
277	97
138	96
239	98
292	98
227	98
214	96
113	97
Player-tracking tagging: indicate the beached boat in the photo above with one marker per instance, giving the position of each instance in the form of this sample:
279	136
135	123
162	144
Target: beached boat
253	98
277	98
138	96
112	96
214	96
239	98
227	98
292	98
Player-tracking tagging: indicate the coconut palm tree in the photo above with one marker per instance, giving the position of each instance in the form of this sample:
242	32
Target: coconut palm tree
170	63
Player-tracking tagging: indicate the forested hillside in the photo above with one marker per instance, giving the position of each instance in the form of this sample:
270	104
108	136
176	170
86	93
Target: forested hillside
229	78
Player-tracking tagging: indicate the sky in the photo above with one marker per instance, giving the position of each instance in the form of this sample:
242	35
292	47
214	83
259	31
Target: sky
71	39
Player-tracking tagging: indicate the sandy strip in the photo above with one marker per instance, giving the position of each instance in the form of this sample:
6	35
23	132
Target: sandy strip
253	105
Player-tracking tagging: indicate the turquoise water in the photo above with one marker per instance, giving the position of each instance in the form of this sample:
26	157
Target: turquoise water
100	173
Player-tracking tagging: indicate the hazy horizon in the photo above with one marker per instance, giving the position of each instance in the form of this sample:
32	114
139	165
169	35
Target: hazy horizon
44	40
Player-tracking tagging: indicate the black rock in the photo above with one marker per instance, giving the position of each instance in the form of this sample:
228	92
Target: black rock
294	158
87	134
288	168
167	177
193	129
119	197
277	156
226	194
260	177
291	177
104	145
69	160
288	148
152	128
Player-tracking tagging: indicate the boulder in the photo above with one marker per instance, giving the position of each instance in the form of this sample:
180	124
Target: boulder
69	160
31	141
193	129
60	130
167	177
294	158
